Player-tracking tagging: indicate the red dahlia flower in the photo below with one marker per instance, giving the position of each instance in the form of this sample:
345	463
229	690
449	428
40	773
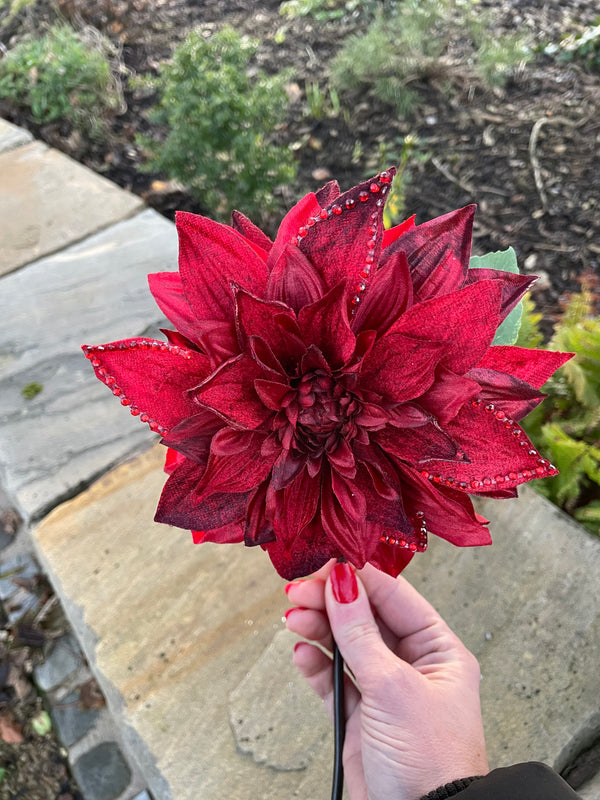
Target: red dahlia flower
334	392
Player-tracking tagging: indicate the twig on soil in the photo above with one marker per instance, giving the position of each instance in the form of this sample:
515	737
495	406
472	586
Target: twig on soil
464	186
533	157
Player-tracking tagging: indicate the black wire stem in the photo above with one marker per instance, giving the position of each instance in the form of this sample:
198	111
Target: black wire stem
339	724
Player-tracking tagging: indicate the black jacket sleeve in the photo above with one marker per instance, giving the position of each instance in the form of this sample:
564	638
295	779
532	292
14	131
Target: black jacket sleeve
531	781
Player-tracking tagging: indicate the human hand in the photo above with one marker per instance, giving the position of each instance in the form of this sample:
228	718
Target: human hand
413	719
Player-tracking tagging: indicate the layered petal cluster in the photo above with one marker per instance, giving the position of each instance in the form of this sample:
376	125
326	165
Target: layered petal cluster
334	392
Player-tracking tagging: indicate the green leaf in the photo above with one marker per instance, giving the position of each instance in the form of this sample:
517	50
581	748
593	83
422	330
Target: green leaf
505	260
589	516
41	723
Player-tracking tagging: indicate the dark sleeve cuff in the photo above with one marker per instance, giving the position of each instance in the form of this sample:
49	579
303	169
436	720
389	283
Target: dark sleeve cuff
530	781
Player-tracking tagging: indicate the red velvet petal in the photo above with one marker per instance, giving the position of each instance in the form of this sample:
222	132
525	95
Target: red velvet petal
501	456
294	220
272	394
167	290
212	257
447	514
447	276
172	460
514	286
514	396
219	340
401	367
339	245
287	468
180	505
325	325
230	393
150	376
302	554
344	519
391	558
252	233
426	244
293	280
328	193
258	529
394	233
227	534
268	321
300	501
192	436
388	295
447	319
418	445
532	366
239	471
448	394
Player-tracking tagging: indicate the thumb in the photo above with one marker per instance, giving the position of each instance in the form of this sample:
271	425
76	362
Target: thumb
353	625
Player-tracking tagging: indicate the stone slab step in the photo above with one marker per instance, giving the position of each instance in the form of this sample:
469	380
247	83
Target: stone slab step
48	201
12	136
189	646
92	292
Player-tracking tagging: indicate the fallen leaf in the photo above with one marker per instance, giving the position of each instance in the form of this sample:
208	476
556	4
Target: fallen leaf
10	730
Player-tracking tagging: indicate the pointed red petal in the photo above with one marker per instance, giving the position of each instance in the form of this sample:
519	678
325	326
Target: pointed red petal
349	237
343	514
418	445
192	436
532	366
252	233
426	244
474	309
167	290
325	325
387	297
230	393
294	220
179	504
401	367
448	394
271	321
391	558
514	286
212	257
258	529
293	280
391	234
328	193
295	556
514	396
241	469
501	456
150	377
447	276
232	533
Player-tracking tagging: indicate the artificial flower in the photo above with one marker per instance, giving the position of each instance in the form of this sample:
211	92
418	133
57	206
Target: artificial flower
335	392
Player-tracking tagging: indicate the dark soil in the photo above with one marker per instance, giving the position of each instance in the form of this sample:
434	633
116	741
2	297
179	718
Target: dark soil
528	155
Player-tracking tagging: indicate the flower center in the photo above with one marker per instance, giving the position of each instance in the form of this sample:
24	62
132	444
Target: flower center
326	412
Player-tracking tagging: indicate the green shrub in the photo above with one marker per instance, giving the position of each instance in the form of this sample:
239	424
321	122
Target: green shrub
566	426
410	40
323	10
63	75
217	122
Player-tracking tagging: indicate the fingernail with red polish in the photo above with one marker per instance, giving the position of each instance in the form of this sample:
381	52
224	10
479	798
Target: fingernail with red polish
293	608
288	586
343	583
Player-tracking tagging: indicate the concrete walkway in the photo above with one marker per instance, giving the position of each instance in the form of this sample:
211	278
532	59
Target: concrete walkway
187	642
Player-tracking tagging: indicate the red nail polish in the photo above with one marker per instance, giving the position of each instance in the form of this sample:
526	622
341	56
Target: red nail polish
288	586
289	611
343	583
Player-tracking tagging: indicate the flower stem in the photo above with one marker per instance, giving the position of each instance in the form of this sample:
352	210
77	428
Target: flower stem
339	724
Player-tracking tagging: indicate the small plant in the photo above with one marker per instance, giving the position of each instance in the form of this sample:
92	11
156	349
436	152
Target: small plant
320	103
583	48
396	202
411	41
566	425
63	75
31	390
217	124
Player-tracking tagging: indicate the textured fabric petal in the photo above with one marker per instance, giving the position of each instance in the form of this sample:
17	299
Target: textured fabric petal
172	460
448	394
150	377
391	558
532	366
212	257
419	445
500	454
294	220
271	321
514	396
475	308
193	435
167	290
339	245
447	276
294	556
180	505
258	529
447	514
401	367
426	244
513	286
294	280
219	340
239	471
328	193
391	234
230	393
231	533
325	324
388	296
252	233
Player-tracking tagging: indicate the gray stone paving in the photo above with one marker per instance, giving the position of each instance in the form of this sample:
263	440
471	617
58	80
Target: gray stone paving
12	137
90	293
48	201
